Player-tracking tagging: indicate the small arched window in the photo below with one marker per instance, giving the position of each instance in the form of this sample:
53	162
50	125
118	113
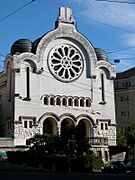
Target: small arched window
64	102
70	102
82	102
46	100
88	103
76	102
58	101
52	101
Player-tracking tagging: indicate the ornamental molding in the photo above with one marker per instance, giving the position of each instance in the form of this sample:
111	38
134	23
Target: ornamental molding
24	56
72	35
107	65
20	132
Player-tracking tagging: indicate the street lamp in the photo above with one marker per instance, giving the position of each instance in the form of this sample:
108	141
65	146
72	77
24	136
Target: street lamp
116	60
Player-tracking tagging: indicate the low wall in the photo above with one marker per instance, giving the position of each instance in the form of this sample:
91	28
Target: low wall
6	142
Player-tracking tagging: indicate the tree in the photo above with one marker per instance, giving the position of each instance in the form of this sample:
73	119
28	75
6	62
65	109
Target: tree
121	139
130	135
129	138
48	143
68	149
126	137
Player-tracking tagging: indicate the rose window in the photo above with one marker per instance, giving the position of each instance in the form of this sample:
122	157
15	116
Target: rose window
66	63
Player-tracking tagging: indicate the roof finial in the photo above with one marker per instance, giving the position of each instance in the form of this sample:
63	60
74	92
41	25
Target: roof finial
65	15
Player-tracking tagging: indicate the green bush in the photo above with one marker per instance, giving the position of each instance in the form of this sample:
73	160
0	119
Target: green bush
93	162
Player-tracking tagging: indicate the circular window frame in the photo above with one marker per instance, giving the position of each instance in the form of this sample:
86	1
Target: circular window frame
65	62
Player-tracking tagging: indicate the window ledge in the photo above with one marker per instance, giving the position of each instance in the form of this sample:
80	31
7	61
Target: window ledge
26	99
102	102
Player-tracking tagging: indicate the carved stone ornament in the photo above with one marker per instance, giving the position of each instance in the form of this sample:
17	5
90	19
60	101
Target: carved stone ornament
65	63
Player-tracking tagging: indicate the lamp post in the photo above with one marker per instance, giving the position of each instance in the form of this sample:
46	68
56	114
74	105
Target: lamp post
71	151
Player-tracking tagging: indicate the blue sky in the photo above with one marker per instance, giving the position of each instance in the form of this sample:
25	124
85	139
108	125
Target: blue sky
108	25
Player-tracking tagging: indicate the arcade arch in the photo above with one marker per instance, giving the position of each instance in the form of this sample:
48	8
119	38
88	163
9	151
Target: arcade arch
50	126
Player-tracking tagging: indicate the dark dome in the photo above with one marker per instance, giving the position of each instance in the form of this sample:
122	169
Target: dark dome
21	45
35	44
101	55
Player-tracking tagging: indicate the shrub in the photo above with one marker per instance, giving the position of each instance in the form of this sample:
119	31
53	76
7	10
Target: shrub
93	162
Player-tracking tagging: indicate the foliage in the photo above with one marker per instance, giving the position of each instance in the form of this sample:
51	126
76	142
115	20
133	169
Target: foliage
121	139
127	136
46	143
70	150
130	135
58	162
93	161
68	143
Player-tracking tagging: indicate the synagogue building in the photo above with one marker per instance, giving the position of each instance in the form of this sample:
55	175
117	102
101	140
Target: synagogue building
59	79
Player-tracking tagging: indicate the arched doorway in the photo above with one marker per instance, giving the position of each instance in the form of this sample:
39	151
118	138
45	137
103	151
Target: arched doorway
50	126
81	130
84	128
67	129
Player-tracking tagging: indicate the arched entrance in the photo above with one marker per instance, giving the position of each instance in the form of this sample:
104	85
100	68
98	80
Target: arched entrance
84	128
81	130
67	129
50	126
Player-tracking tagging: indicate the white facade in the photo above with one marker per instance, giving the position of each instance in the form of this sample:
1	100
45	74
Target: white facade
59	77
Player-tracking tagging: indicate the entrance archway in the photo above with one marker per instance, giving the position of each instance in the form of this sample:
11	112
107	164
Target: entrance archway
67	129
50	126
81	130
84	128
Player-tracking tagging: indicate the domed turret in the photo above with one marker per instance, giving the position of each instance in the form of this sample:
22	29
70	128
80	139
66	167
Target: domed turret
101	55
21	45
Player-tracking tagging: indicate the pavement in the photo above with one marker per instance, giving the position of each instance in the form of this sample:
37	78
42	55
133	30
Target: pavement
23	172
7	166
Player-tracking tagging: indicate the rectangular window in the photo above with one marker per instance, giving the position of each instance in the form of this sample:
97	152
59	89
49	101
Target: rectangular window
121	98
28	121
124	98
25	124
126	84
125	114
122	114
102	126
106	126
30	124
